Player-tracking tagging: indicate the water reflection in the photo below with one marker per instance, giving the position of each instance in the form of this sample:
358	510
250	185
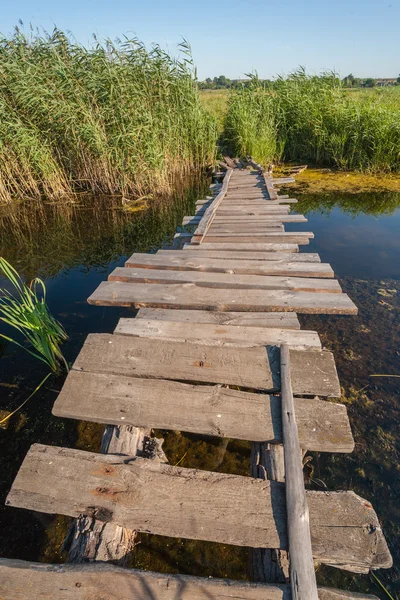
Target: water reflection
75	246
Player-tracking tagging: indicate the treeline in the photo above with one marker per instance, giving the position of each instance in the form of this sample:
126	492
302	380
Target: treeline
222	82
314	119
112	119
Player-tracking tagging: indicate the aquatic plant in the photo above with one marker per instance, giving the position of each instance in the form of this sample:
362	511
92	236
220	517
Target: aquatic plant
317	121
25	310
114	118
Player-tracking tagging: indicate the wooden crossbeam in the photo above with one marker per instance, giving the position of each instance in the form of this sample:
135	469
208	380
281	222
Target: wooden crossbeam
196	252
179	502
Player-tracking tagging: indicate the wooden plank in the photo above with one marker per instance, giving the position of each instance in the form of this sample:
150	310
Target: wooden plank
313	372
285	237
302	573
273	194
282	180
246	247
218	335
251	219
195	252
224	280
281	200
211	210
189	295
188	261
20	580
265	208
193	504
246	229
267	223
201	409
254	319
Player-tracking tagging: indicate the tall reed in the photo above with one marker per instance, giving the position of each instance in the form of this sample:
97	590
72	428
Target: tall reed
319	122
114	118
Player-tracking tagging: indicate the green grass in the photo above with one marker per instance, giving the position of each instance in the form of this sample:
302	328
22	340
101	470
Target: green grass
113	119
315	120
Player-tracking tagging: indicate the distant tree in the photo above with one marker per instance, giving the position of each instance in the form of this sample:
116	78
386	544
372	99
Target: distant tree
349	80
222	82
398	80
369	82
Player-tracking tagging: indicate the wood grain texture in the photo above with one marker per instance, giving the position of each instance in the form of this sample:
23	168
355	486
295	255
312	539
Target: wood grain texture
264	319
313	372
197	251
224	280
20	580
202	409
218	335
209	214
285	237
302	573
189	295
246	247
179	502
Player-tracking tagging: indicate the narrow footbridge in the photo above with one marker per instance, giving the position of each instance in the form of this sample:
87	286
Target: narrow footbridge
215	349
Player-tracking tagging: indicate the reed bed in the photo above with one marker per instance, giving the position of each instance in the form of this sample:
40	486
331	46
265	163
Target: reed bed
316	121
114	118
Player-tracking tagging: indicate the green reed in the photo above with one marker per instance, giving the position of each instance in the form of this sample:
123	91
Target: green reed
318	122
114	118
24	310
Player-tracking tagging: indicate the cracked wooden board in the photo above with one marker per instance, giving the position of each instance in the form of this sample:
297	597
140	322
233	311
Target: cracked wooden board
254	319
192	296
21	580
224	280
218	335
193	504
199	251
201	409
313	372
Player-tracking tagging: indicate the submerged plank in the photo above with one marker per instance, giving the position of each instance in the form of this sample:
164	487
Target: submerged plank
218	335
223	280
188	503
201	409
189	295
254	319
198	260
20	580
313	372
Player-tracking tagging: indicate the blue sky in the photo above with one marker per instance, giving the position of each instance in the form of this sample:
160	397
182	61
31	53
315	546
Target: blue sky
234	37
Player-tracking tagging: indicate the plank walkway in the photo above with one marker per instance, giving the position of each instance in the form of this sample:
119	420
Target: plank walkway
212	314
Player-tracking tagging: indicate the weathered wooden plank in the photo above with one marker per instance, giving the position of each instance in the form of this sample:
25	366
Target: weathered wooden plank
202	409
244	208
313	372
20	580
280	200
273	194
263	220
282	180
218	335
224	280
267	222
254	319
247	255
189	295
244	246
302	573
211	210
285	237
228	263
179	502
246	229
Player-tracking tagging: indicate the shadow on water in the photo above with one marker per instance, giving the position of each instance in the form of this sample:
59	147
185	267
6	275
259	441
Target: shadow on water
75	246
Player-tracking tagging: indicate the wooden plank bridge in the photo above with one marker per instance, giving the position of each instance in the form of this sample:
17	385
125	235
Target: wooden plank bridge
219	312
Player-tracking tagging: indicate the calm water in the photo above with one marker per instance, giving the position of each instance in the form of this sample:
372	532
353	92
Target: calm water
74	247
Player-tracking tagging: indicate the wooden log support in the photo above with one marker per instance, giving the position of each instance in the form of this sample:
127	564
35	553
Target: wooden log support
211	211
20	580
302	573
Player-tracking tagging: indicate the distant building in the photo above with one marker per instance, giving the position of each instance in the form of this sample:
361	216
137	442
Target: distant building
385	82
